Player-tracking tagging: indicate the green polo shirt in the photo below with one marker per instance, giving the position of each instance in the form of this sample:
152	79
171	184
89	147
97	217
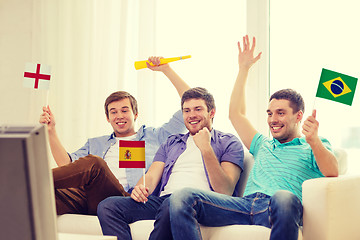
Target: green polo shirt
281	166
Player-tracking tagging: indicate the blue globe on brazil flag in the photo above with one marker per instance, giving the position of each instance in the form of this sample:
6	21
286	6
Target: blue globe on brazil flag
337	87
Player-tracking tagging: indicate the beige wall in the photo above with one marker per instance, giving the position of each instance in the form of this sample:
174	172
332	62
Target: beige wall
15	49
17	103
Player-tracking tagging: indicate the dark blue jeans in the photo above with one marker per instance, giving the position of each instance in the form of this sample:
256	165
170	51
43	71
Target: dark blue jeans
188	208
116	213
178	216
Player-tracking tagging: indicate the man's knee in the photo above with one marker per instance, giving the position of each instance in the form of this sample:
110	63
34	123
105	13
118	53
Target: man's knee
165	205
163	213
111	208
105	208
184	197
93	161
285	203
285	199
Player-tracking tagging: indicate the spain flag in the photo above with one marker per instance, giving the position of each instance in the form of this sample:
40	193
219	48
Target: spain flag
131	154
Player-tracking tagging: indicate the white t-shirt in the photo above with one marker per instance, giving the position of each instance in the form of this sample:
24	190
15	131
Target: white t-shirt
112	160
188	170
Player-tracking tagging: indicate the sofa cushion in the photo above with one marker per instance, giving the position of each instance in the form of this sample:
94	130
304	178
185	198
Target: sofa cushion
84	224
77	223
233	232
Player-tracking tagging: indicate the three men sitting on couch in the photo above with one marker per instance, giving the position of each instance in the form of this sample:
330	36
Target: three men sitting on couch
193	176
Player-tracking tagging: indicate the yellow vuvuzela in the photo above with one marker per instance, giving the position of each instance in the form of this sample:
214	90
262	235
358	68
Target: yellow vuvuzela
142	64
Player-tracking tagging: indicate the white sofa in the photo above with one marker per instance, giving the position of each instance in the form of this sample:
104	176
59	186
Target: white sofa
331	208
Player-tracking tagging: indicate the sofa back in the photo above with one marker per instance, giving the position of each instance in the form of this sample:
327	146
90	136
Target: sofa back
248	164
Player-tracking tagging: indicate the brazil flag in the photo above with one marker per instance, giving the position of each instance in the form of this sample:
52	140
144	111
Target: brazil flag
336	87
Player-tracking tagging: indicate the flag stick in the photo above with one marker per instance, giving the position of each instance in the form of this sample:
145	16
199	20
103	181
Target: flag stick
314	103
47	97
144	176
144	179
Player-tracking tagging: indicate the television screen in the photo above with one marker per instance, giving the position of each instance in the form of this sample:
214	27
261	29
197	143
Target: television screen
27	199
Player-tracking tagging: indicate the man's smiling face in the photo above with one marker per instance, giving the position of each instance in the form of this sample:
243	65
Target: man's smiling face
196	115
283	122
122	118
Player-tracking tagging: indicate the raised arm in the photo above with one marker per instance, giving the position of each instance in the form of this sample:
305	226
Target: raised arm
325	159
180	85
237	109
58	151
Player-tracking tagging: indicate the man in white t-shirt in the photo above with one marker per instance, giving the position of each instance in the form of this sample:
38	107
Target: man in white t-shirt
92	173
204	158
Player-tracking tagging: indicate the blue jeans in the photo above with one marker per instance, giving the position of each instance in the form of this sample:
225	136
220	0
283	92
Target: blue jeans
116	213
188	208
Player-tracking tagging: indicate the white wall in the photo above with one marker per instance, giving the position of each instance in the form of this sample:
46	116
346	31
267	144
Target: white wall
20	44
16	49
91	47
17	104
319	34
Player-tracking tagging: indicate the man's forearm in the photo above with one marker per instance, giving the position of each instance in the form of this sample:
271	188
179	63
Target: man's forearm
58	151
219	180
325	159
180	85
237	100
237	109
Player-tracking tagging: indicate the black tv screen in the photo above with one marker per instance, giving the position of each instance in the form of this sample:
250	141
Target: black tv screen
27	203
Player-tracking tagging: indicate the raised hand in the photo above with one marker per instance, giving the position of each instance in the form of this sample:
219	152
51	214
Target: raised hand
47	118
246	54
202	138
310	128
156	62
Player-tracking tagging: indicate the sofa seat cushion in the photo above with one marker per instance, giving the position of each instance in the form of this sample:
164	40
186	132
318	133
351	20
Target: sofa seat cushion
233	232
85	224
80	224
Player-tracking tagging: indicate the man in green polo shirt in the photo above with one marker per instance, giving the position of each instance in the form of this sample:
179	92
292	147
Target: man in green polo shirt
272	196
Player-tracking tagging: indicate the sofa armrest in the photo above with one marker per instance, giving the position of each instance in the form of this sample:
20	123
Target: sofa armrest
331	208
78	223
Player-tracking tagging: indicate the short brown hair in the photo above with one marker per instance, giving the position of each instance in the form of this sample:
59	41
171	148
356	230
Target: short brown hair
117	96
199	93
295	99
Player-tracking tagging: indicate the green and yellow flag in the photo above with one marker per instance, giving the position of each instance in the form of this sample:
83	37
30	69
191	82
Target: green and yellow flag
336	87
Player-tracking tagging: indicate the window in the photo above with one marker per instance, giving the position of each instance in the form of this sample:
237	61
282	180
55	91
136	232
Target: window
310	35
209	31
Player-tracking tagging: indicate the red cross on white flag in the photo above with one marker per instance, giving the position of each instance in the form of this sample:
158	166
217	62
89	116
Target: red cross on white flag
37	76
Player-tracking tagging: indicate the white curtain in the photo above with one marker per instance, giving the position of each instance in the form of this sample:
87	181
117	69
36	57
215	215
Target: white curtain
91	46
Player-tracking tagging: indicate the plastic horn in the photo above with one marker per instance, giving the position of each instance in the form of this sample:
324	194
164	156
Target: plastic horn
142	64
